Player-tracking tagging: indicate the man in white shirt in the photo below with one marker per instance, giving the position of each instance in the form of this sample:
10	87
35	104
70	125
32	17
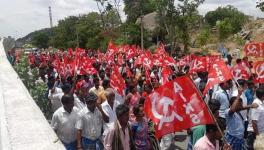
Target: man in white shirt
257	116
90	124
81	92
109	108
64	120
54	96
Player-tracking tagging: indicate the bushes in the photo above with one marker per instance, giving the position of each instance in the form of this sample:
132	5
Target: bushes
36	88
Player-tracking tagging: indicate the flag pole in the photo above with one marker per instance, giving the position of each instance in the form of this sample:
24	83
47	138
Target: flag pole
211	113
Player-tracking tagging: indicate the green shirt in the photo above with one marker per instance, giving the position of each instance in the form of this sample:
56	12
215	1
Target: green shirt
197	133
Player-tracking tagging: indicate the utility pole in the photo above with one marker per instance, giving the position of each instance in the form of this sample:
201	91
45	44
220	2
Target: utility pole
142	27
50	16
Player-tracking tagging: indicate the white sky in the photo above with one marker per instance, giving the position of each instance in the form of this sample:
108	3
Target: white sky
20	17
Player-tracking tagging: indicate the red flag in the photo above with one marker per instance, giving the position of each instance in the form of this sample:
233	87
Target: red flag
184	61
160	50
254	49
86	66
131	52
199	64
128	72
175	106
116	81
240	71
259	71
112	49
218	73
165	73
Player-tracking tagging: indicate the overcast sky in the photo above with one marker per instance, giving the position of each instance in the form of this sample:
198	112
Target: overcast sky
20	17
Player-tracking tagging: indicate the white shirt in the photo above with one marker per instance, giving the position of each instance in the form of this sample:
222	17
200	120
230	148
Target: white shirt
91	123
79	104
64	124
258	114
55	98
111	113
244	103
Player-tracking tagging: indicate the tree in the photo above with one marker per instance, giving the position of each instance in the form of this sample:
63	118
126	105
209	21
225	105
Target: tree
260	5
40	40
65	33
228	13
135	8
224	29
178	20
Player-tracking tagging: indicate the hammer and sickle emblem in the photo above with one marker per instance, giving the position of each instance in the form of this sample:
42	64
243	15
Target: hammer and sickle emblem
166	102
252	49
260	71
197	64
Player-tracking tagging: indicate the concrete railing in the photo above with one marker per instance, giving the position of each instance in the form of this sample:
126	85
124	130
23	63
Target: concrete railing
22	124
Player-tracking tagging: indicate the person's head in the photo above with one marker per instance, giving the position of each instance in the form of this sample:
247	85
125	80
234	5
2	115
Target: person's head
138	111
110	95
232	99
122	114
238	61
67	101
224	85
66	88
106	84
82	89
260	93
242	83
91	101
96	82
212	131
102	74
250	84
148	88
214	106
51	82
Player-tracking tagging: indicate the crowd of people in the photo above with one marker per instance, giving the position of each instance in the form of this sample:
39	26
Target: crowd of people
90	113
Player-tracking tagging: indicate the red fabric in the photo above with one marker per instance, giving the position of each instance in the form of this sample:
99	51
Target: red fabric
184	61
131	52
175	106
160	50
85	66
116	81
218	73
166	72
240	71
254	49
199	64
259	71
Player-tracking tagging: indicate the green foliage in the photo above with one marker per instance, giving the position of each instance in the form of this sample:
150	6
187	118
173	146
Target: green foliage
228	13
36	89
224	29
178	21
203	37
40	40
135	8
260	5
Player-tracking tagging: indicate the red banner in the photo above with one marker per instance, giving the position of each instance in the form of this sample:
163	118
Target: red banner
199	64
254	49
259	71
175	106
218	72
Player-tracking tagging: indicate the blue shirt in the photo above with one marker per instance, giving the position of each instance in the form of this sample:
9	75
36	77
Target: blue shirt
249	95
223	98
234	124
